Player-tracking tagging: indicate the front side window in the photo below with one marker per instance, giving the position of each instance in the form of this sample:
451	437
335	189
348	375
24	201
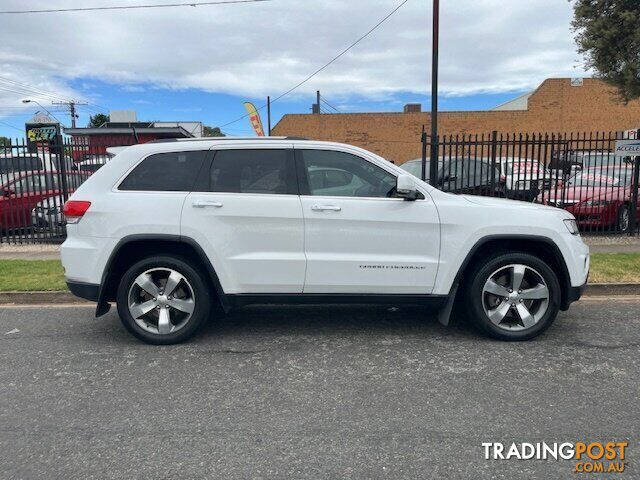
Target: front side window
165	172
342	174
264	171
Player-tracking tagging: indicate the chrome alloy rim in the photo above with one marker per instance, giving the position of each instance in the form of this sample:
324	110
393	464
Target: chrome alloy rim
624	219
515	297
161	301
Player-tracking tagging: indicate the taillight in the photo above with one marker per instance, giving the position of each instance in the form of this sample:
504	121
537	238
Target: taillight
75	209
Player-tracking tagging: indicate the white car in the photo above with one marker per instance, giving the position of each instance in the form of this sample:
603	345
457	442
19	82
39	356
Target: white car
524	178
169	229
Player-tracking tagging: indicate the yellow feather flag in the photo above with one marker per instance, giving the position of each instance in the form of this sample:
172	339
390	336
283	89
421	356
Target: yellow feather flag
254	118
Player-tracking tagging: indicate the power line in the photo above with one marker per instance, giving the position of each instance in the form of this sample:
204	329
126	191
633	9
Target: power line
131	7
334	59
9	85
328	104
31	89
12	126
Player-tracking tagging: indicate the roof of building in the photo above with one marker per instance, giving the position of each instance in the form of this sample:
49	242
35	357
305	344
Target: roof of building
518	103
558	105
131	130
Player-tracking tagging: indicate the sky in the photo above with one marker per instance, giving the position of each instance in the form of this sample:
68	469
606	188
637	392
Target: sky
201	63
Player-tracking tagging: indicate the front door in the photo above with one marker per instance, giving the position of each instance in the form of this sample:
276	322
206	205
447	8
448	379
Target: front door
360	238
247	216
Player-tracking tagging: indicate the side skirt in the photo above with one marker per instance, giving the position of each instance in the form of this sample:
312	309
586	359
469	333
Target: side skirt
239	300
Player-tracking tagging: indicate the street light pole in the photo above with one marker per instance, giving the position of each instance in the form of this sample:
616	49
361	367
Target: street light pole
27	100
433	170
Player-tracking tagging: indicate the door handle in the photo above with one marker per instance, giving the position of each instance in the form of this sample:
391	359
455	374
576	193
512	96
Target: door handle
326	208
206	203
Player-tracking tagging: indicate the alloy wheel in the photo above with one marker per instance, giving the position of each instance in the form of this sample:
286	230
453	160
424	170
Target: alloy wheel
515	297
624	219
161	301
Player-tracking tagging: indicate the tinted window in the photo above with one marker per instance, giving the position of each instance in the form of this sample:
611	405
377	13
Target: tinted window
345	175
252	171
20	164
468	173
168	172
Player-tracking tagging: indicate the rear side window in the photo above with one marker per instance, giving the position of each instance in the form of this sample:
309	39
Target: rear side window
253	171
166	172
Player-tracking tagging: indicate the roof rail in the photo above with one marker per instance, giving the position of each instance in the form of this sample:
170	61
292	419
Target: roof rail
204	139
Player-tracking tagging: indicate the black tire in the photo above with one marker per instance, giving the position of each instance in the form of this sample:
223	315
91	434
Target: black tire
474	295
622	219
201	292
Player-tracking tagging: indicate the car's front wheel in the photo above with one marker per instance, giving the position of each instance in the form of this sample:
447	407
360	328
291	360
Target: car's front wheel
163	300
513	296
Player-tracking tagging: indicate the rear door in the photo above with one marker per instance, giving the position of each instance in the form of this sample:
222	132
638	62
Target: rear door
360	238
246	214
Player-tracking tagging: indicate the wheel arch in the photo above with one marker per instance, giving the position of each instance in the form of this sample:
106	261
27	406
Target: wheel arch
136	247
542	247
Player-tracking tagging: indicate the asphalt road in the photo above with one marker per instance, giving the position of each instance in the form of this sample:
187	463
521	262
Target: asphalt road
310	392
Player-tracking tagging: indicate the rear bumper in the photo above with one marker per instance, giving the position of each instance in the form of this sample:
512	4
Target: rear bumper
88	291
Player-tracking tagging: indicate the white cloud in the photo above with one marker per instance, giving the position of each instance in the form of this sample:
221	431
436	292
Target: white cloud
265	48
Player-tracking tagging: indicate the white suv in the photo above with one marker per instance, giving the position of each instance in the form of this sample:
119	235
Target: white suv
170	230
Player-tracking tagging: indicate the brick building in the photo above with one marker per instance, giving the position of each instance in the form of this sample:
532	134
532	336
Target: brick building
558	105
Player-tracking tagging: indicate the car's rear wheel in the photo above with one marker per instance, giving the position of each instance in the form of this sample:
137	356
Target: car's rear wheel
513	296
622	219
163	300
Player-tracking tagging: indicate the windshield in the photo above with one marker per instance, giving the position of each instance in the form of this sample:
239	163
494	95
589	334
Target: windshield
415	168
457	173
615	177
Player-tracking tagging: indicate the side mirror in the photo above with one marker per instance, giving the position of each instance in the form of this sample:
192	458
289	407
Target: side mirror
406	187
7	192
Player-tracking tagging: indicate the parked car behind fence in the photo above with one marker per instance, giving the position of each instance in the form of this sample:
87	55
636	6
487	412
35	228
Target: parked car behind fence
559	170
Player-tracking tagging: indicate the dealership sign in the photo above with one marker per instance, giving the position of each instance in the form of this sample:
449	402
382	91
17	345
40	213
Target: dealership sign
41	131
628	148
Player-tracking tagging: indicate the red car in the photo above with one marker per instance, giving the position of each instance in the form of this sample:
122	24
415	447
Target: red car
22	191
599	198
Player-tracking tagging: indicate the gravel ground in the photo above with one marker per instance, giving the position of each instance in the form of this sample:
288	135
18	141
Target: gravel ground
310	392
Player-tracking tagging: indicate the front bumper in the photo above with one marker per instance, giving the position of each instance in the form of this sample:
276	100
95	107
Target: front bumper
573	295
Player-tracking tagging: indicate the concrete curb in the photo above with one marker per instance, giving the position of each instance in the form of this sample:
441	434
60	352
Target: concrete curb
38	298
43	298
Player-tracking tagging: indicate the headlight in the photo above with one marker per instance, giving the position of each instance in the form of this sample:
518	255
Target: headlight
572	226
596	203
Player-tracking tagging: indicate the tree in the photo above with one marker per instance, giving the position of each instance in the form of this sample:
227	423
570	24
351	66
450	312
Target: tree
97	120
5	141
212	132
608	35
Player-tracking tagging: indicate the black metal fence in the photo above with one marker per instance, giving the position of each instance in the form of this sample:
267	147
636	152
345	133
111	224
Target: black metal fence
36	179
580	173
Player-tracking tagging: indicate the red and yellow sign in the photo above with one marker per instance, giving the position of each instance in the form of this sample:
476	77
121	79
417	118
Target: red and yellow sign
254	118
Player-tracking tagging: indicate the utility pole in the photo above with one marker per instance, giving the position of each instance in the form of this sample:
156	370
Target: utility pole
72	109
318	100
268	116
434	94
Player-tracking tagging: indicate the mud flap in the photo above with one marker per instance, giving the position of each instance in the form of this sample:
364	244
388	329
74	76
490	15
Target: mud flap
444	315
102	308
